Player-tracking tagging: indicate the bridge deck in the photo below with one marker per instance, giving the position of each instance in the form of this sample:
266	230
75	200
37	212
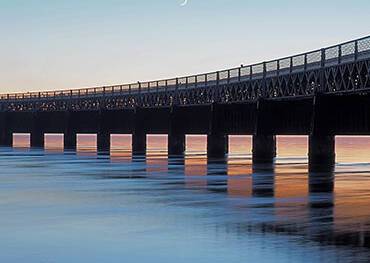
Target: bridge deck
343	67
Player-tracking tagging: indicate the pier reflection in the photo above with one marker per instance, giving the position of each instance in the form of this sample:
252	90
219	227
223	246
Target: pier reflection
239	176
156	155
120	156
86	145
195	170
329	208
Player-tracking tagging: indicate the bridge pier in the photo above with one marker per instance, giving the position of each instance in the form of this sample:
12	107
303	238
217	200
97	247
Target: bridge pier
138	143
70	140
264	148
176	144
6	138
217	141
103	141
321	153
37	139
217	145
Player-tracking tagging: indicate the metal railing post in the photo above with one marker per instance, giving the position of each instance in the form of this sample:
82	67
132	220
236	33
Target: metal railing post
323	58
305	62
177	92
339	54
356	50
264	85
322	72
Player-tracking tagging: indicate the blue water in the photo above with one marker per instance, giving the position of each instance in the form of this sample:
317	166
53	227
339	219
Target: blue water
68	207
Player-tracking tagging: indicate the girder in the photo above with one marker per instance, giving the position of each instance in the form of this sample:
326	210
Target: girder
336	69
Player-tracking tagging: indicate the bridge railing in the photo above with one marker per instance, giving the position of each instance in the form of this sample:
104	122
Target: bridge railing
347	52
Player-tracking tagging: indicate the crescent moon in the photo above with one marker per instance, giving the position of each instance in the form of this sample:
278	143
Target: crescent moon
184	3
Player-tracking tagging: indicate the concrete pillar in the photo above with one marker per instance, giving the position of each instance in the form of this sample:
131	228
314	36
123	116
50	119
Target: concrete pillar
321	153
6	138
139	143
176	144
264	148
70	140
103	141
37	139
217	145
217	141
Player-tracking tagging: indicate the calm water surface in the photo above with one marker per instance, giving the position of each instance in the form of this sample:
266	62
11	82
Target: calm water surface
64	206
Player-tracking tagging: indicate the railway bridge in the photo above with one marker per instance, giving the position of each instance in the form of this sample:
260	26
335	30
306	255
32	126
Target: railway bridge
321	93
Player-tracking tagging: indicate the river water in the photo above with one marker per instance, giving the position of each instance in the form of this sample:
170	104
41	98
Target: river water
66	206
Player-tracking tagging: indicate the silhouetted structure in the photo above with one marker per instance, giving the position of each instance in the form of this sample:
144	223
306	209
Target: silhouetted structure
322	93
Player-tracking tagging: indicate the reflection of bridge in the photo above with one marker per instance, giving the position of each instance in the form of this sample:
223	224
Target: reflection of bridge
320	93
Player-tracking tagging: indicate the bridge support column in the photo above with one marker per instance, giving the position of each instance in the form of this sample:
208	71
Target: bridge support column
264	148
6	138
217	145
70	140
321	153
103	141
176	144
217	141
176	137
37	139
138	143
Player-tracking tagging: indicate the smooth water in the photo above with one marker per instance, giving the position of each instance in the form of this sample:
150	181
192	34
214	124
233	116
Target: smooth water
63	206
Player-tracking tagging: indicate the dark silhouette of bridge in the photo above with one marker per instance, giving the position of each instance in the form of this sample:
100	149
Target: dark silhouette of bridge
321	93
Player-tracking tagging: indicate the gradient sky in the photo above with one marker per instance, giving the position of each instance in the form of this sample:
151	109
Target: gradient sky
48	45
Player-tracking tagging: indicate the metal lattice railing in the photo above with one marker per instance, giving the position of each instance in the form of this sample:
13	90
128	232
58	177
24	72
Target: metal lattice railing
351	51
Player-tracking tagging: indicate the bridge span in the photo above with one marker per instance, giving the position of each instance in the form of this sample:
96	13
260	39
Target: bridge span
321	93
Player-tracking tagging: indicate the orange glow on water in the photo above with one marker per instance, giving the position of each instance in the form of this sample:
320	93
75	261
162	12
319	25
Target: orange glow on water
156	144
86	143
195	165
351	201
240	186
291	185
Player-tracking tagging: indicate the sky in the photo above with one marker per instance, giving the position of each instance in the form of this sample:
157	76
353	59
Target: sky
48	45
